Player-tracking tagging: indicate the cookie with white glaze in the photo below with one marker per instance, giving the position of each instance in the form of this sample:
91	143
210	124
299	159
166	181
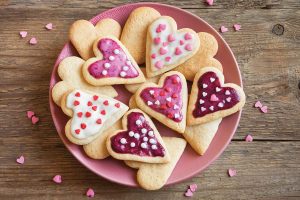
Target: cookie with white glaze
168	47
90	114
155	176
139	140
211	98
112	65
165	101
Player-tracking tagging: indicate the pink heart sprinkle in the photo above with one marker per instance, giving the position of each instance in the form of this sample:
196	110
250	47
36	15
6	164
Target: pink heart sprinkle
171	38
258	104
162	26
193	187
20	160
33	41
188	193
57	179
181	42
248	138
159	64
177	51
90	192
168	58
165	44
223	29
237	27
156	40
34	120
264	109
49	26
213	97
231	172
153	56
187	36
30	114
23	34
210	2
163	51
188	47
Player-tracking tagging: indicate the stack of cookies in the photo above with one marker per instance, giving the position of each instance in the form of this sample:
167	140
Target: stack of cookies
111	56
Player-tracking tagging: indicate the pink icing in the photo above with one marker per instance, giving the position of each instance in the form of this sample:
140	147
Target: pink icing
141	135
166	100
115	62
212	97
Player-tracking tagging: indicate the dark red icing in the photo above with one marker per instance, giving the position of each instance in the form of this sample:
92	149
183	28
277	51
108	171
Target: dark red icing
221	98
109	47
132	127
168	96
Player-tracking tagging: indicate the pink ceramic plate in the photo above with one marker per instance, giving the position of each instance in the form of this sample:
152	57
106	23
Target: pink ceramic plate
190	163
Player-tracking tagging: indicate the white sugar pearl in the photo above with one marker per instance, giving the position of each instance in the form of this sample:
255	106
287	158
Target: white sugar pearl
144	145
228	99
203	109
212	79
211	108
107	65
157	102
131	133
204	94
152	141
132	144
176	107
138	122
218	89
128	62
123	141
176	115
201	101
154	147
104	72
144	130
151	133
204	85
125	68
111	58
116	51
227	92
136	135
169	99
145	139
151	92
123	74
221	105
149	103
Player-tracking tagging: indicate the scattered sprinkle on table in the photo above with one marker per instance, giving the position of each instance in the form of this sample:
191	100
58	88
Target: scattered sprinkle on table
23	34
231	172
223	29
21	160
57	179
33	41
90	193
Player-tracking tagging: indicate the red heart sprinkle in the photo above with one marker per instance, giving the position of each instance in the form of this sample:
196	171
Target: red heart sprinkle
117	105
170	104
174	95
83	125
88	114
94	108
168	89
170	115
175	80
79	114
95	97
89	103
162	93
168	58
163	107
76	103
77	131
105	103
99	121
103	112
77	94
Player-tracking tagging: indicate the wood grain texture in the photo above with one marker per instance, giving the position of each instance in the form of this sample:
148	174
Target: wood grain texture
268	168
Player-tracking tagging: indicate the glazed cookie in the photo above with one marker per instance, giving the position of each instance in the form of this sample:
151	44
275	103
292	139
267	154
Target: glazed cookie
112	64
200	136
90	114
155	176
167	101
69	70
211	99
168	47
203	58
83	33
134	33
97	148
134	87
138	141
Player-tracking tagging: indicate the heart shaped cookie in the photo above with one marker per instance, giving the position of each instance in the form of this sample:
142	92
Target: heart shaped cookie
139	141
168	47
113	64
83	34
211	99
167	101
91	115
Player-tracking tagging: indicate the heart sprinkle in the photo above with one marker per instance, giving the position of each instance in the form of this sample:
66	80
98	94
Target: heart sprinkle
231	172
57	179
258	104
34	120
248	138
33	41
237	27
20	160
30	114
23	34
90	193
49	26
193	187
264	109
188	193
210	2
223	29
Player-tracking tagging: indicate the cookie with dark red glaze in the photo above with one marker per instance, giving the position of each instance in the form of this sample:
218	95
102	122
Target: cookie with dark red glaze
165	101
138	141
211	98
112	65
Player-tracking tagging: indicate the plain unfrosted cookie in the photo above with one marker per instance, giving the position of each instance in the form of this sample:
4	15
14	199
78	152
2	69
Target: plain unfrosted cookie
83	33
138	141
135	31
155	176
165	101
97	148
132	103
211	99
69	70
203	58
200	136
90	114
168	47
112	65
134	87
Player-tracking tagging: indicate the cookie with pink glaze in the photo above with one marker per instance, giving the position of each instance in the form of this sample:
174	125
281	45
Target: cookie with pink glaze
90	113
165	101
138	141
83	34
155	176
211	98
112	65
168	47
134	33
203	58
70	71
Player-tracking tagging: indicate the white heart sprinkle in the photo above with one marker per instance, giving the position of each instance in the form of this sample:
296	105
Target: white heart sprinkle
203	109
169	99
151	92
228	99
128	62
123	74
204	94
227	92
104	72
218	89
107	65
149	103
138	122
176	115
125	68
204	85
111	58
176	107
211	108
157	102
201	101
212	79
154	146
116	51
220	105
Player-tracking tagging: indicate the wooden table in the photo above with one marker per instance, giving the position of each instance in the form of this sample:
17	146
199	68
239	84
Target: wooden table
268	52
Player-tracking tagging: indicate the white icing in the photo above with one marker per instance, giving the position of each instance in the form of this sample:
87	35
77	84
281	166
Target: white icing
92	127
163	35
201	101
